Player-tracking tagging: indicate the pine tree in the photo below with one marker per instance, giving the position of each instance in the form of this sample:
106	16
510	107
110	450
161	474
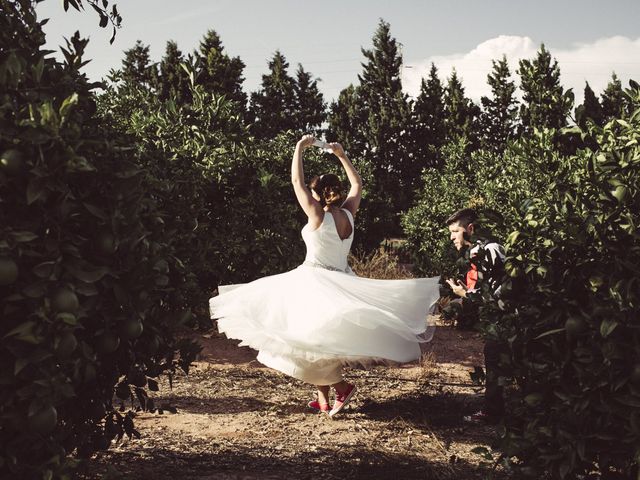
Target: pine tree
346	118
384	133
613	104
429	130
460	112
500	112
590	109
310	106
545	102
273	108
137	69
381	91
386	105
173	78
217	72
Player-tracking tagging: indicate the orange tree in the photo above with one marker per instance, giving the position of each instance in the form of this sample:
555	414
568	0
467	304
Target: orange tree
85	273
231	212
569	312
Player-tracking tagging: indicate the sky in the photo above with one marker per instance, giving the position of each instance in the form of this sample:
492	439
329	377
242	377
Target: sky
589	38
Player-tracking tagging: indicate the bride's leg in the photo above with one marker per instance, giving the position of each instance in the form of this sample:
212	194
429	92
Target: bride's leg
323	394
341	386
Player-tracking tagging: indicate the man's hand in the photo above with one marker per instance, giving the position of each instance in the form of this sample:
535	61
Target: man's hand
458	287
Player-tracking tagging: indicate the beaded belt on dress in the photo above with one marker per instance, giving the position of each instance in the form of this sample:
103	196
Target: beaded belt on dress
310	263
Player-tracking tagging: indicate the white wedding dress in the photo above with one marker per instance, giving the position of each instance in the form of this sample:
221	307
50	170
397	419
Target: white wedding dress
312	320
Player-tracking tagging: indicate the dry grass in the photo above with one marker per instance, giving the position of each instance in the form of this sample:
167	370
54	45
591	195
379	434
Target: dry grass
428	366
380	264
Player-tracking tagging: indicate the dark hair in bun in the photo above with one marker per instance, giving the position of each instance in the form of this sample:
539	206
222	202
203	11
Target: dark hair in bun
328	188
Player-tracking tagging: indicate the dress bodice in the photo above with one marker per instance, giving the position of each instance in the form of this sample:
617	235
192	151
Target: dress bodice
324	245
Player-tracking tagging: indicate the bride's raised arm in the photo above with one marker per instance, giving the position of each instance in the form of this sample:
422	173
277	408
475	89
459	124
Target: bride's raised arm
310	205
355	192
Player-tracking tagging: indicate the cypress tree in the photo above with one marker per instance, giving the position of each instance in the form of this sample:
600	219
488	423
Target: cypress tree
217	72
545	102
387	109
384	134
460	112
310	106
613	99
346	118
500	112
137	69
429	130
173	78
273	108
590	109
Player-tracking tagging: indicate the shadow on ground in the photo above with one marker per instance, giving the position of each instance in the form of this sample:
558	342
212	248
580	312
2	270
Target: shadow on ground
216	406
265	463
441	410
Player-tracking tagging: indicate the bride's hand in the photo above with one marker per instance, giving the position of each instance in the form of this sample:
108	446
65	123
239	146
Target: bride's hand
306	141
337	149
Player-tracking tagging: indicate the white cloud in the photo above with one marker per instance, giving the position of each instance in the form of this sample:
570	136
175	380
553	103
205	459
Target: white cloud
593	62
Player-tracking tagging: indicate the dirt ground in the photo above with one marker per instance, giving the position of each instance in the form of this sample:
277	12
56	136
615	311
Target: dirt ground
237	419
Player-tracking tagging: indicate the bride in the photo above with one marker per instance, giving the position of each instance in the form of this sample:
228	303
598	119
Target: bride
313	320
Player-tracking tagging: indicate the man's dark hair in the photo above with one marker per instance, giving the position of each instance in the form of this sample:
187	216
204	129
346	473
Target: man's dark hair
464	217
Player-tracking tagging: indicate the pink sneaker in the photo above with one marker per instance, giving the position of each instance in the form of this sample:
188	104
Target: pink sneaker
317	406
342	400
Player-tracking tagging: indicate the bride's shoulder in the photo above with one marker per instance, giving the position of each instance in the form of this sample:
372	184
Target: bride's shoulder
348	212
314	223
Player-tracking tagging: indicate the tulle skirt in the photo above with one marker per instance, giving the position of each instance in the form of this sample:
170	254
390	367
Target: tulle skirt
310	321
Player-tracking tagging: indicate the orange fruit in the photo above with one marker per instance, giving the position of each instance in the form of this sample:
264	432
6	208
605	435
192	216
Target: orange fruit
131	328
8	271
574	326
64	300
11	161
67	343
108	342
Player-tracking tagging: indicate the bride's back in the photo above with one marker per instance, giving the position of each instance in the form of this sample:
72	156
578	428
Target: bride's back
327	244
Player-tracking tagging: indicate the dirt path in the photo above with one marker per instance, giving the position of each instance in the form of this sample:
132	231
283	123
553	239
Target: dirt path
239	420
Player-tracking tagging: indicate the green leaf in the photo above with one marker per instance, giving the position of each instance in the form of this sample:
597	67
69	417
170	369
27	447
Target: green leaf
68	318
78	163
86	289
96	211
24	328
44	269
68	103
533	399
35	190
20	364
607	326
513	237
23	236
87	276
38	68
550	332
